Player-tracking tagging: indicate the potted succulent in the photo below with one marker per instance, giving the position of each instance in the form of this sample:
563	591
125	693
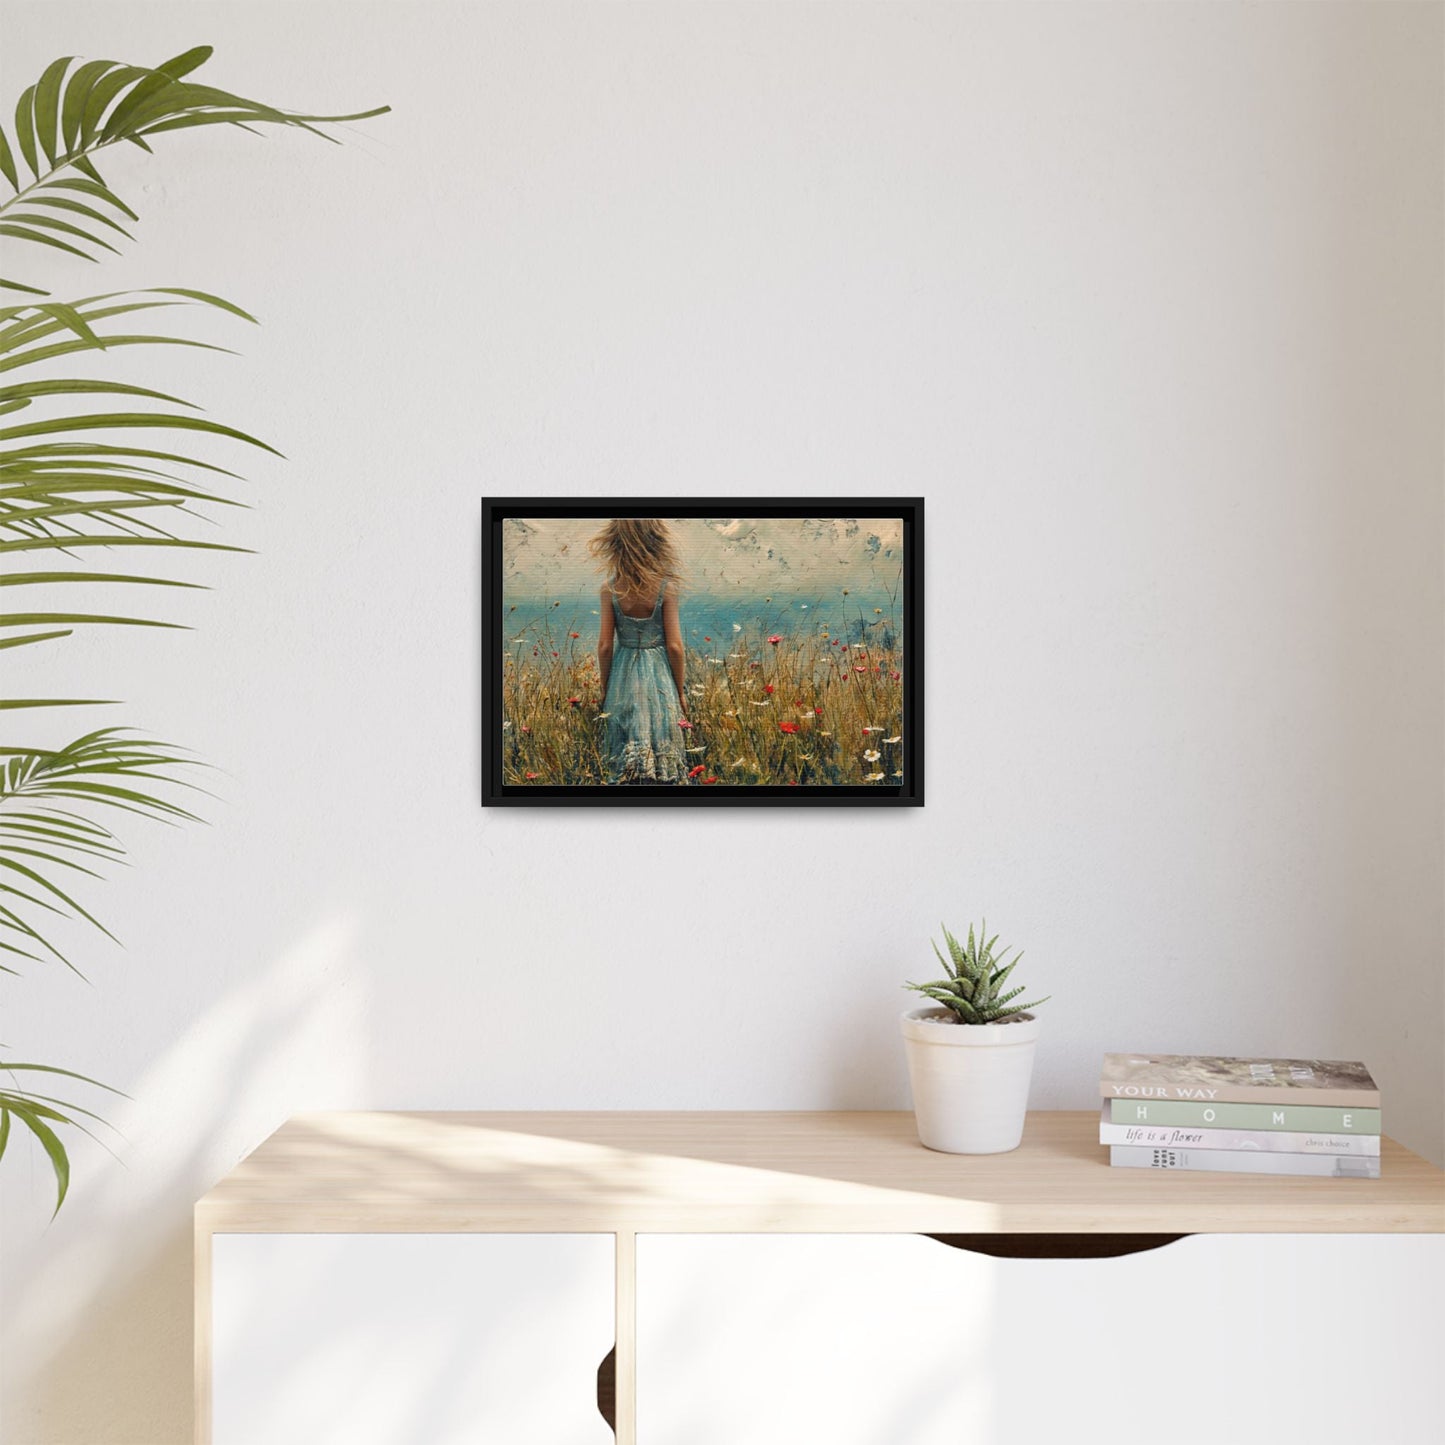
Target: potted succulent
970	1058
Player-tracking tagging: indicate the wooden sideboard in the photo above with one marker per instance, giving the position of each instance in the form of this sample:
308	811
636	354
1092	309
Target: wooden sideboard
676	1190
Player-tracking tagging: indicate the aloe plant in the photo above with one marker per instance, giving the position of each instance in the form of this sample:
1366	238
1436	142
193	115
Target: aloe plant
80	478
974	987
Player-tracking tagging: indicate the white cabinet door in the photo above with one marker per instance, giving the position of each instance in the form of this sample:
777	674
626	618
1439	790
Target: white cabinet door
900	1340
410	1339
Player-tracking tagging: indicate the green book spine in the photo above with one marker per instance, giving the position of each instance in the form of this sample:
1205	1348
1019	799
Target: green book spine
1308	1118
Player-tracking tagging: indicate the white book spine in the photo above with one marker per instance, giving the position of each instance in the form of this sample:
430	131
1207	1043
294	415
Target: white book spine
1237	1161
1262	1141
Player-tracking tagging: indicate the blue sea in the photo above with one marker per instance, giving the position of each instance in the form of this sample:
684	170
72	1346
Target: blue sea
711	620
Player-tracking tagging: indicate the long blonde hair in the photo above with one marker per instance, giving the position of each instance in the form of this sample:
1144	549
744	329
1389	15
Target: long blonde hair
638	554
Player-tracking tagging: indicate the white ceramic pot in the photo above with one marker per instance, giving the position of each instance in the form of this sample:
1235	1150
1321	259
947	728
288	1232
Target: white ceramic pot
970	1081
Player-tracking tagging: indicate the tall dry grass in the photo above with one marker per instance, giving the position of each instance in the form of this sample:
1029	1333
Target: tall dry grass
817	709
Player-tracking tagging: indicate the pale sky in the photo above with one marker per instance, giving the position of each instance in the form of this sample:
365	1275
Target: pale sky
719	554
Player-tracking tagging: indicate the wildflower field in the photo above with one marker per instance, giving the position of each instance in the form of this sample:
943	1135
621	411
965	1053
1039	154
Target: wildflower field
763	708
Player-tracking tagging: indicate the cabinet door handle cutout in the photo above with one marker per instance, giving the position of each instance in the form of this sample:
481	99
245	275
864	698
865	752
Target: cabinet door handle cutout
1056	1246
607	1389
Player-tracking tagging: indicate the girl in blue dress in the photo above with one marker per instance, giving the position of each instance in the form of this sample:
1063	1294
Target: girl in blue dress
640	652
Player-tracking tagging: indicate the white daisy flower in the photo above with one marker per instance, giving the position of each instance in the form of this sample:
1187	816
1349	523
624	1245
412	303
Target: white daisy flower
874	778
824	733
737	627
702	749
872	730
604	714
899	773
766	702
871	756
505	726
697	691
898	739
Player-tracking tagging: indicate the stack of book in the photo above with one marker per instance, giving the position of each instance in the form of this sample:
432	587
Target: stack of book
1246	1116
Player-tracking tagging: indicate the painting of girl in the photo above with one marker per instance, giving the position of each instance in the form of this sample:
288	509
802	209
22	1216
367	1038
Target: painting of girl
722	659
640	655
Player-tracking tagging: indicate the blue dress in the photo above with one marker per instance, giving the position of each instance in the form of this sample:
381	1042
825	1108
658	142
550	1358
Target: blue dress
644	741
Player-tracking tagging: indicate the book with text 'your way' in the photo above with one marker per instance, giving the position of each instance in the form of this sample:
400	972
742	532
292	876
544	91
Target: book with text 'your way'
1211	1078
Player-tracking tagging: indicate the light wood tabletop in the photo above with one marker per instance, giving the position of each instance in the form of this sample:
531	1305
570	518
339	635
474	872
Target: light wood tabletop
762	1172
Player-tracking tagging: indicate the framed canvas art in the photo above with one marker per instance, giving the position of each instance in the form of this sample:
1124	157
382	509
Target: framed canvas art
664	652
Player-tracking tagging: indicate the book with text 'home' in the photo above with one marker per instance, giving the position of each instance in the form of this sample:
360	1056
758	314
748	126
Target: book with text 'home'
1266	1141
1211	1078
1235	1161
1300	1118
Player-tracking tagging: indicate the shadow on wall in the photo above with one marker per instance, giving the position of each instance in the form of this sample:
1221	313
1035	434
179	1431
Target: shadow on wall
865	1062
81	1307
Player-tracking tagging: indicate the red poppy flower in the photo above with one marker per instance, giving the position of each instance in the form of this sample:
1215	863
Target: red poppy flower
574	634
709	780
788	727
700	768
525	728
554	654
530	776
775	639
895	675
575	701
754	664
768	688
835	642
792	782
683	723
707	639
860	669
818	711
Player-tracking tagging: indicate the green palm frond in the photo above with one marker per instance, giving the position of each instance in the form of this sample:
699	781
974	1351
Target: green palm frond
67	495
974	990
60	200
46	834
40	1113
89	466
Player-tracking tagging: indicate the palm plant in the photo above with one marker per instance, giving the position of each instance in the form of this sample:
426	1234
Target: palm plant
974	987
81	477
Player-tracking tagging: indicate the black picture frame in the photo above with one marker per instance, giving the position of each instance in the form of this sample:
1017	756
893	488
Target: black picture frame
497	793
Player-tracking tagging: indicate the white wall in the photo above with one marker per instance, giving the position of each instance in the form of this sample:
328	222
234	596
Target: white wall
1145	299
